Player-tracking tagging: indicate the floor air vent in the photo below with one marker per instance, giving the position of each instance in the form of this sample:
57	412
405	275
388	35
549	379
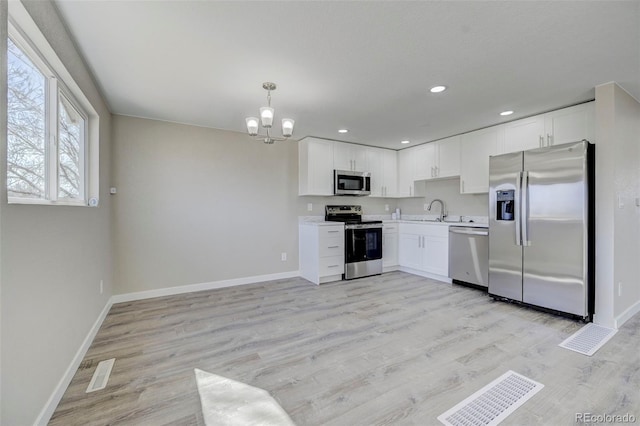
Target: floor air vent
101	375
588	339
493	403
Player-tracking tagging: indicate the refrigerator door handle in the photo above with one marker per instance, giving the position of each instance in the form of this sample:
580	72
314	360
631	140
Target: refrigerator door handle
524	211
517	208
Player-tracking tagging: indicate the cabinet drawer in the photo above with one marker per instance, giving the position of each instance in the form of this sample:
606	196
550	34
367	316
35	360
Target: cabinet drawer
332	265
326	232
436	230
390	229
332	246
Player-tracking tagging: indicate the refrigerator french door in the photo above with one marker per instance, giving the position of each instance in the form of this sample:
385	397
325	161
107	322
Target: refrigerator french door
541	228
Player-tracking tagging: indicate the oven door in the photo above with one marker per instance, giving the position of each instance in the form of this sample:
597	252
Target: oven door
363	243
363	250
351	183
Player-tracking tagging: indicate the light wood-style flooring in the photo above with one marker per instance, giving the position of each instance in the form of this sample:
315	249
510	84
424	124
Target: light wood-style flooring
390	349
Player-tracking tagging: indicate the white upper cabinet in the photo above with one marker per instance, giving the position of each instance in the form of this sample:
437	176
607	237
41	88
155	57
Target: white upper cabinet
553	128
315	167
448	157
349	156
475	149
406	173
570	124
390	172
383	165
439	159
521	135
424	157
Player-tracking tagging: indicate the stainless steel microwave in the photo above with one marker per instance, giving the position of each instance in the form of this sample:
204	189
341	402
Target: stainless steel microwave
346	182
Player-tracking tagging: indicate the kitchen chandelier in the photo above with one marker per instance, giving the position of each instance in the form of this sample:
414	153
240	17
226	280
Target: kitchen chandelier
266	119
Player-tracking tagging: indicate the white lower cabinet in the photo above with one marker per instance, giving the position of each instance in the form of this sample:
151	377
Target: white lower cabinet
321	251
389	246
424	249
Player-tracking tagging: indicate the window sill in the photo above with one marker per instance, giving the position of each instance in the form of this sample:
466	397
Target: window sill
32	201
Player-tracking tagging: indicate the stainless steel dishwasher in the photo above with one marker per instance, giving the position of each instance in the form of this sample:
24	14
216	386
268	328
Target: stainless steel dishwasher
469	255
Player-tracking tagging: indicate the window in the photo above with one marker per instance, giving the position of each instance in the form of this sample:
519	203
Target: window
51	127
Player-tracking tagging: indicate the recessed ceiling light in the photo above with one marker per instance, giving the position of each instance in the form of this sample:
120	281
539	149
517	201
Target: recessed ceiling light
343	131
405	142
506	113
438	89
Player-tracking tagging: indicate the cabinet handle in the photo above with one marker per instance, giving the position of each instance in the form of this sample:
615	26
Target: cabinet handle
541	141
549	139
333	231
333	247
333	266
437	169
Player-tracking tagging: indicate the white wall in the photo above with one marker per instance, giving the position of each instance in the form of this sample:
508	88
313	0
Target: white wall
53	259
197	205
448	190
617	227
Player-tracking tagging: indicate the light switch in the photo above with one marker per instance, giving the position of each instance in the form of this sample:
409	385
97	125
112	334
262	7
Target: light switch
309	207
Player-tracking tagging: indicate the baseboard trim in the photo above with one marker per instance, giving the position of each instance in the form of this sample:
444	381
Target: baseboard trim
53	401
190	288
626	315
424	274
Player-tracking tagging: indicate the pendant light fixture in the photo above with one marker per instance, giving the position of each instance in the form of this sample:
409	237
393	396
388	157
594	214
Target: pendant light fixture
266	120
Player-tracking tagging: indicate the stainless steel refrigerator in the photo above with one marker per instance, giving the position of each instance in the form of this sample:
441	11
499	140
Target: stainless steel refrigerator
542	228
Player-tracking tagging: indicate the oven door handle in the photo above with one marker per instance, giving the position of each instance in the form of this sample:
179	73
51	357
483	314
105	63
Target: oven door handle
364	226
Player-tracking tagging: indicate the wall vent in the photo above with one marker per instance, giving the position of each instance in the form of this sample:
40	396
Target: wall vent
101	375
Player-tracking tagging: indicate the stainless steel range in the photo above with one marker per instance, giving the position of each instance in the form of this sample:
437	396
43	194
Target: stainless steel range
362	242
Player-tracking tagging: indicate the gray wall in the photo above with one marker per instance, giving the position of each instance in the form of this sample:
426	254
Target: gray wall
618	228
53	259
196	205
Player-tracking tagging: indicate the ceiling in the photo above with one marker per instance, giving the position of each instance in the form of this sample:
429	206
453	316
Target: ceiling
365	66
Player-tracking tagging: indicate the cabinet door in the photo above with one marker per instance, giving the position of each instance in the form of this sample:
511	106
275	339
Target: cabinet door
349	156
448	157
315	167
425	160
376	167
475	149
359	156
406	169
342	156
389	249
521	135
568	125
410	250
436	255
390	172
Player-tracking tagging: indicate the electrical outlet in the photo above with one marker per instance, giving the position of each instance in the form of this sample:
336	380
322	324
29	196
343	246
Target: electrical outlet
309	207
619	289
101	286
386	207
283	256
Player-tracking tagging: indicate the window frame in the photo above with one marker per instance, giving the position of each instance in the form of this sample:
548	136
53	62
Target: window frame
25	34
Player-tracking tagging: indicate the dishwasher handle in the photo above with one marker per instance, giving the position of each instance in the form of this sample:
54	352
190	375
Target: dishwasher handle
468	231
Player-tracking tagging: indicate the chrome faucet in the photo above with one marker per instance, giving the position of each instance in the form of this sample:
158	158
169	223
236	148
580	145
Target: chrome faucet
443	212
